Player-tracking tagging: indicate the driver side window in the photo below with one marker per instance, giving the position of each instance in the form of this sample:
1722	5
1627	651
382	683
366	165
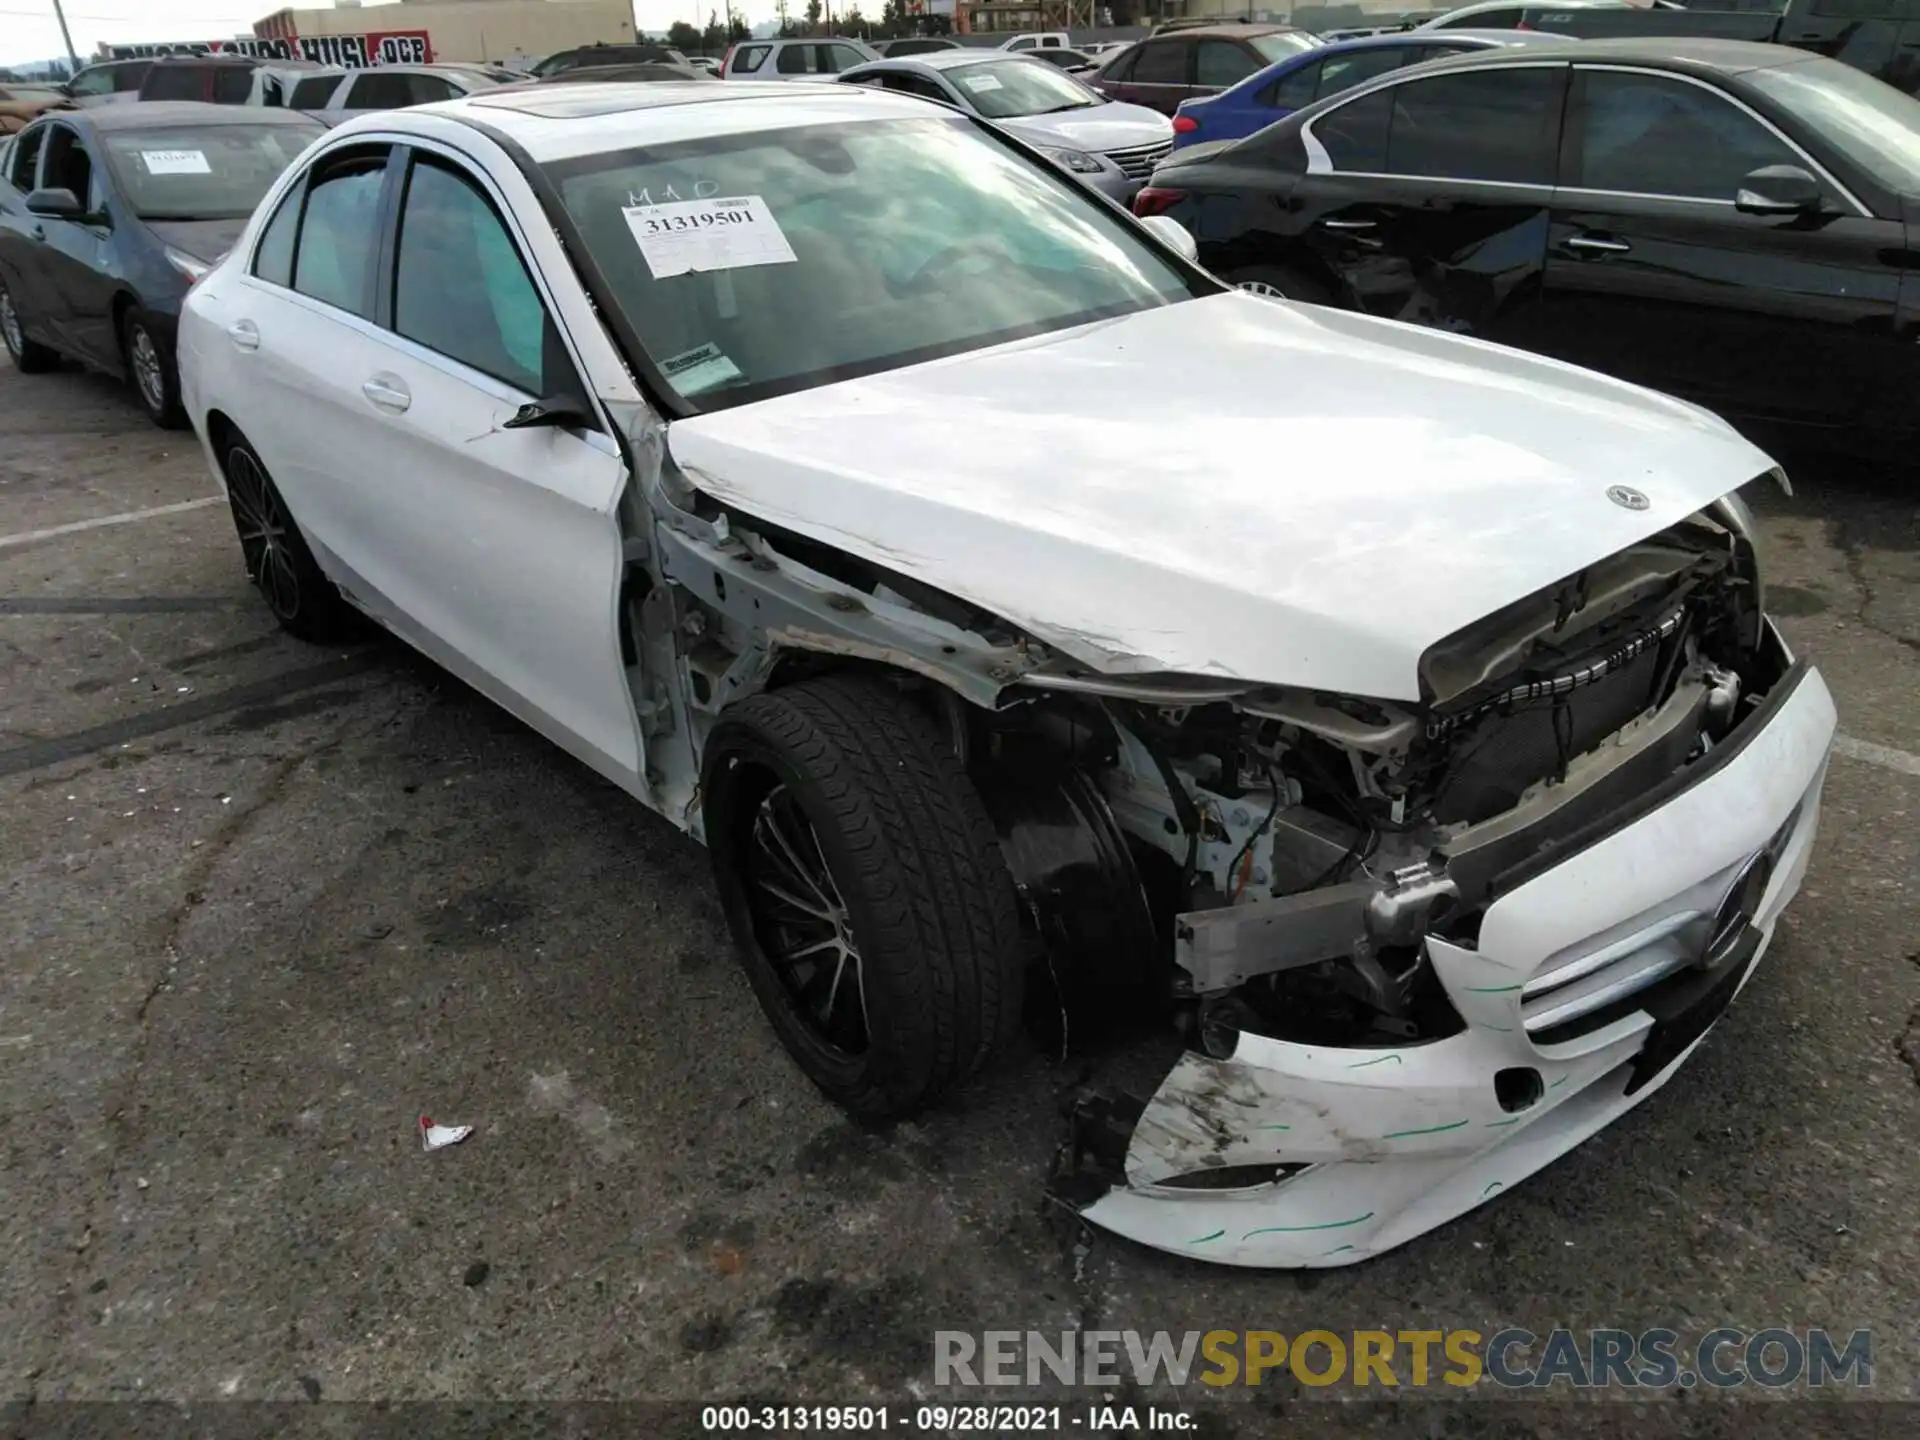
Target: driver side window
1646	134
69	167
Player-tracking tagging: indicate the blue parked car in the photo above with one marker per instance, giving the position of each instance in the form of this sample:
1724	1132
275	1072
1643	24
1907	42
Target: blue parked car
1297	81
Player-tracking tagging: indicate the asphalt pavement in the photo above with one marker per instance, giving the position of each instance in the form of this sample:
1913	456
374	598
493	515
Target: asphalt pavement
263	905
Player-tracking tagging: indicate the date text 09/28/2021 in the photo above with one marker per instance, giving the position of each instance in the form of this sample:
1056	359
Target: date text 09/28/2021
943	1419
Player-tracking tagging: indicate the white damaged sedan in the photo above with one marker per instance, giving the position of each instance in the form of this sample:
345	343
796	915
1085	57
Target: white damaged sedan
1029	624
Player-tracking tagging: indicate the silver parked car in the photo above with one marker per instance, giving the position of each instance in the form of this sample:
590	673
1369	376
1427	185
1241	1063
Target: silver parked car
1107	144
336	93
794	59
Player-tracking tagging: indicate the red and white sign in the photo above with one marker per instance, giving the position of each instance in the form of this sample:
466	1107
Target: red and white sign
353	52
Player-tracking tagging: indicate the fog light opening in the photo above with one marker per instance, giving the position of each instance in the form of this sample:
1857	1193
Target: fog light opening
1518	1089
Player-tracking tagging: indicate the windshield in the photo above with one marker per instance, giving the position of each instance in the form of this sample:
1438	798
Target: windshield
752	265
208	172
1281	44
1002	89
1874	125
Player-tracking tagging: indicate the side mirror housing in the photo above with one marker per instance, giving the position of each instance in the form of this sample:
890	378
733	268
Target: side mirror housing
554	411
55	204
1175	236
1778	190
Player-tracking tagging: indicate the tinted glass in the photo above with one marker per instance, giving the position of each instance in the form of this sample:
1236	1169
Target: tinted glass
1650	135
1120	67
1874	125
880	244
748	58
1355	134
315	92
1485	20
1003	89
459	285
843	57
340	235
129	77
380	90
273	257
1343	72
210	172
174	82
1295	90
68	167
1164	63
26	155
1220	63
1497	124
232	84
1862	9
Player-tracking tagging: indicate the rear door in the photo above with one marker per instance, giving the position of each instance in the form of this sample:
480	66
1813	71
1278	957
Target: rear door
1430	198
1157	74
1654	275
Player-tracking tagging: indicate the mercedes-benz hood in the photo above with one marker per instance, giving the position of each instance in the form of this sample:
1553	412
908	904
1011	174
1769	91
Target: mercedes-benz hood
1230	486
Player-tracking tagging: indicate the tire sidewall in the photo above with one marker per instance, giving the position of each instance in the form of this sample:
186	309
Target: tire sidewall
168	415
736	750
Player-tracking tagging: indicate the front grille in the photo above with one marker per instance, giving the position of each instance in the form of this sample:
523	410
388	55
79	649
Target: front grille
1136	162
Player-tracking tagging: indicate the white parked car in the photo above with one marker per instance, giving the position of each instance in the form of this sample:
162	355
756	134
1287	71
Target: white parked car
794	59
1015	611
1037	40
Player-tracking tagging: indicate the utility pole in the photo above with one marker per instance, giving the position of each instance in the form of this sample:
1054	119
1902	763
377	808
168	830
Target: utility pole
67	36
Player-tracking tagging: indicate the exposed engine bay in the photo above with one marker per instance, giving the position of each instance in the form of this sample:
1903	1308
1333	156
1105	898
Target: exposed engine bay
1272	861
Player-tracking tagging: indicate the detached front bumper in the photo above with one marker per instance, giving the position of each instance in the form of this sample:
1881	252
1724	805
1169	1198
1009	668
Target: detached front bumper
1643	936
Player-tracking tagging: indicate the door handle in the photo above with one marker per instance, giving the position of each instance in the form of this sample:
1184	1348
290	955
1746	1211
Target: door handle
1348	224
1596	245
244	334
387	392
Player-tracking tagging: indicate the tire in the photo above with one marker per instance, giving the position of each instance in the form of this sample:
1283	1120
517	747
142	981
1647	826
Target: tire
1280	281
151	368
841	785
29	357
279	564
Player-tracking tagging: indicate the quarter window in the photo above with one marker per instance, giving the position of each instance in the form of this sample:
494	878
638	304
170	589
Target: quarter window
273	256
1220	63
460	288
1161	64
749	58
1498	124
1355	135
1652	135
340	234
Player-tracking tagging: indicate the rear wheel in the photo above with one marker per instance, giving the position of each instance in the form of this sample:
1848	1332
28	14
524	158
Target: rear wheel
1280	282
865	890
151	368
279	564
30	357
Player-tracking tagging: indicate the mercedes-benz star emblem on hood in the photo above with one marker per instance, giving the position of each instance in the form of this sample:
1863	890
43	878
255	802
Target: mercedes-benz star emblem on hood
1627	497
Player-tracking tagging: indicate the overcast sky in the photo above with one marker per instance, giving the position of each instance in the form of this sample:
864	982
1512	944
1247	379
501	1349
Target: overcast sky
28	30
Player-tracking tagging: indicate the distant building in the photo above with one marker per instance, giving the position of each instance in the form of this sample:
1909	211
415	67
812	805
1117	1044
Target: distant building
461	29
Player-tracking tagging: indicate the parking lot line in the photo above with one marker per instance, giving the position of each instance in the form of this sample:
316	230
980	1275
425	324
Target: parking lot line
126	517
1885	756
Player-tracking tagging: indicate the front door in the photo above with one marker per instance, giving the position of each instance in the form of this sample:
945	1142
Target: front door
1429	198
1654	275
77	257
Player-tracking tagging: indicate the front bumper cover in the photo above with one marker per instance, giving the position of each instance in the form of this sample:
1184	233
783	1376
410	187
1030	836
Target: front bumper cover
1396	1142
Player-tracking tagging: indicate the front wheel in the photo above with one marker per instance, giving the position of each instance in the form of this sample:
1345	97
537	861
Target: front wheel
150	365
866	892
1279	282
30	357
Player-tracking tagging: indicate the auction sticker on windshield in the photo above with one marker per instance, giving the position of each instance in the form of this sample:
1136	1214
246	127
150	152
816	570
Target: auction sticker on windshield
175	162
981	82
700	235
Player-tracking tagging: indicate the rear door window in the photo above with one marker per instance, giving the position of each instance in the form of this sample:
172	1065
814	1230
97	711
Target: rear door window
797	60
1220	63
1294	91
315	92
1355	134
1162	62
340	233
1495	125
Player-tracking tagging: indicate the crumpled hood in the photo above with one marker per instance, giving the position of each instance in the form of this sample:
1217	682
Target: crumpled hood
1231	486
1098	128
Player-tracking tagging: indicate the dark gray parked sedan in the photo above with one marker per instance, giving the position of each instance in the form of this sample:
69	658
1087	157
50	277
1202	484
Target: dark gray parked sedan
108	216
